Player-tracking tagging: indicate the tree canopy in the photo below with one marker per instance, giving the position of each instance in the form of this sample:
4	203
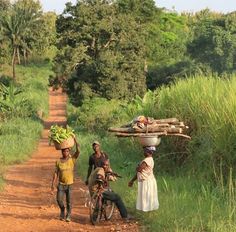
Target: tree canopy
214	41
24	30
102	49
117	48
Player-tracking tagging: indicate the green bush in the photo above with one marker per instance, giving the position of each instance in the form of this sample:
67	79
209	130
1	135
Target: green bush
18	138
29	95
34	81
13	104
207	105
97	114
196	179
186	202
21	103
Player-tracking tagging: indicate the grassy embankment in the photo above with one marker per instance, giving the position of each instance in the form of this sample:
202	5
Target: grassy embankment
196	179
19	134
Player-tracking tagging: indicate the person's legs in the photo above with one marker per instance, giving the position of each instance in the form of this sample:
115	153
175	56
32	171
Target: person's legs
68	202
60	195
108	195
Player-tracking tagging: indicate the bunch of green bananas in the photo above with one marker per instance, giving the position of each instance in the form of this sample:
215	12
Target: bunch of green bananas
59	134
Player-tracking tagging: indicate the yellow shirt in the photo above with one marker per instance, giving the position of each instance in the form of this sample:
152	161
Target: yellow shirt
65	171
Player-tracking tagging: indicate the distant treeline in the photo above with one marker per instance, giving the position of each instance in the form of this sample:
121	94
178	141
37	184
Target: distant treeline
117	49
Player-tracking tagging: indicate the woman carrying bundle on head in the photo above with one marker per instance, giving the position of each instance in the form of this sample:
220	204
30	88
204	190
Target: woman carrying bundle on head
147	199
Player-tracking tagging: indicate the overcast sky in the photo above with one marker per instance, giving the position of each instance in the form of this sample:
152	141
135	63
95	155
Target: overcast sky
223	6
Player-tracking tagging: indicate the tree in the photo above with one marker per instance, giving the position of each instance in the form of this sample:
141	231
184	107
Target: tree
105	49
166	39
214	41
46	36
12	29
31	14
19	26
143	10
4	46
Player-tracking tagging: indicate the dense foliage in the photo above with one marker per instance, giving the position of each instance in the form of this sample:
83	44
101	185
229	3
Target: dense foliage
103	49
25	31
117	49
201	169
108	54
214	41
22	107
205	104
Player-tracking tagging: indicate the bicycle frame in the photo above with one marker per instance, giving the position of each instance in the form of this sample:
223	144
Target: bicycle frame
100	207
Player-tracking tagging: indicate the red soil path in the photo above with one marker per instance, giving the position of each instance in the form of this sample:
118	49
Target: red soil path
26	204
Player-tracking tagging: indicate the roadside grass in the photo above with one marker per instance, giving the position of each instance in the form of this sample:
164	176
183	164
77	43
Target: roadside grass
186	202
19	136
34	80
196	179
207	106
18	139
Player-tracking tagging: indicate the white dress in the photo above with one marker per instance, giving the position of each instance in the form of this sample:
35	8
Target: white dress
147	199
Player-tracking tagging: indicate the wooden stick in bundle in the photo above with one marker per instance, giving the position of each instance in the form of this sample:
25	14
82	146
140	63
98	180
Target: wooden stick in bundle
148	129
182	135
138	134
179	124
175	130
151	134
167	120
125	130
157	128
159	125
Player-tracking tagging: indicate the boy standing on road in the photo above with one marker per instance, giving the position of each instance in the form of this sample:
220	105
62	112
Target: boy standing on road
95	160
64	175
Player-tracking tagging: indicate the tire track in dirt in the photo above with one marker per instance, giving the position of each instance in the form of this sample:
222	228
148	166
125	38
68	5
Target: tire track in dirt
26	204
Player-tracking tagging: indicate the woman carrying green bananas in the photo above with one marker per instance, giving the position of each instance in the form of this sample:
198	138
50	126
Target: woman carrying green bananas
64	176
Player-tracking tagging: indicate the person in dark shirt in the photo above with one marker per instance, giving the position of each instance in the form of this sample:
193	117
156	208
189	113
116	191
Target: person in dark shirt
96	159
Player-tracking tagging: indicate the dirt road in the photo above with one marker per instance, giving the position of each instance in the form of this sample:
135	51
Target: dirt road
26	204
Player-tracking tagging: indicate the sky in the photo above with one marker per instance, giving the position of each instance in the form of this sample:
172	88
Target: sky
223	6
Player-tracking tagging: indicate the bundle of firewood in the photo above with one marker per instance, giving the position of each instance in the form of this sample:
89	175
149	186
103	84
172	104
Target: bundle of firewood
142	126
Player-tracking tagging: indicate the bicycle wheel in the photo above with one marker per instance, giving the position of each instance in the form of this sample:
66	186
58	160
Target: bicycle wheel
95	209
109	207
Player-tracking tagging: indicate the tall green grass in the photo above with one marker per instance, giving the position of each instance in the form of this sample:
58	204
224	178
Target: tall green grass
196	179
17	139
94	115
34	80
207	105
19	136
186	202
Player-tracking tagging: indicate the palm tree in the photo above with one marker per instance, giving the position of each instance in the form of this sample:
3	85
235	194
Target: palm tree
31	10
12	29
18	25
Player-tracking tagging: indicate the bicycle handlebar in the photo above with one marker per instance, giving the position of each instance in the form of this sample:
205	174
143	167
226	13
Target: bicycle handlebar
113	174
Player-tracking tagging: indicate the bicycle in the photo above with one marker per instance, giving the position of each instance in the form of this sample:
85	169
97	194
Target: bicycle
99	206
